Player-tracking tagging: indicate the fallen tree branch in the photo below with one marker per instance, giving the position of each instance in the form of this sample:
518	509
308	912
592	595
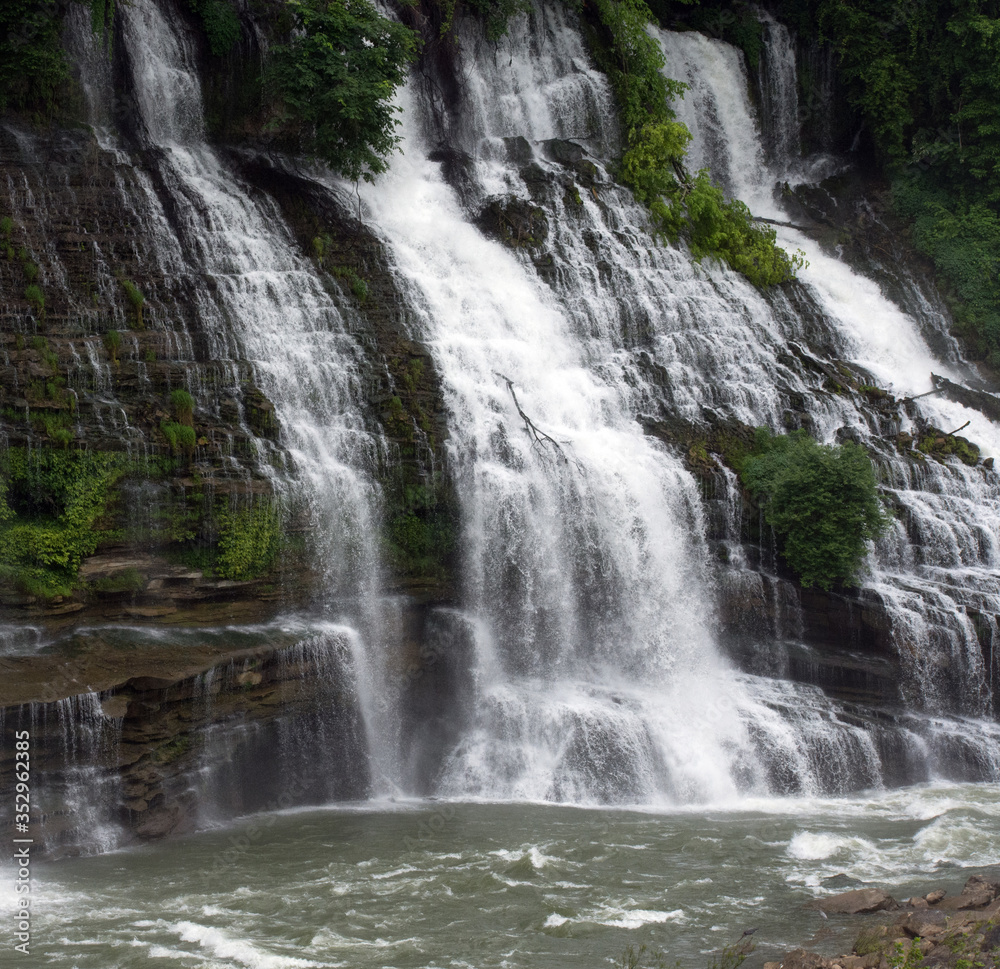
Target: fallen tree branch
936	390
784	225
957	429
538	436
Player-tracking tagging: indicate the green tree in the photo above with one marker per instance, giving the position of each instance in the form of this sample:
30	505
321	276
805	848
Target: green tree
821	500
925	78
336	79
32	64
681	205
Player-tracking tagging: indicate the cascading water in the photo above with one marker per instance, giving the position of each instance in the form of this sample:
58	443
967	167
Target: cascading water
590	595
265	304
597	675
597	678
941	560
265	311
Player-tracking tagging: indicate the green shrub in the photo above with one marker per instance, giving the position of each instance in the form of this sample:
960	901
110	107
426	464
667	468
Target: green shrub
358	286
336	78
6	228
183	405
112	343
34	74
62	436
34	295
102	17
496	14
30	271
136	299
180	437
249	541
420	533
50	505
128	580
821	500
56	426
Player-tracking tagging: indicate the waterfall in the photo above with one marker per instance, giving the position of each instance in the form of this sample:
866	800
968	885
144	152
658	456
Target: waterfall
598	674
942	558
591	595
261	302
265	312
779	92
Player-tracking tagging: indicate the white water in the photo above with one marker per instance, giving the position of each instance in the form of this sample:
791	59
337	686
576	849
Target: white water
597	674
953	513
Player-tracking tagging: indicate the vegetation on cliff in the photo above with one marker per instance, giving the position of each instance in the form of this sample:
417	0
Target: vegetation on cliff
924	79
50	506
681	205
821	500
335	79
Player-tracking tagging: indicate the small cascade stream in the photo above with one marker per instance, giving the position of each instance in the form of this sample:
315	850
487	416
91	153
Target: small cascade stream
263	302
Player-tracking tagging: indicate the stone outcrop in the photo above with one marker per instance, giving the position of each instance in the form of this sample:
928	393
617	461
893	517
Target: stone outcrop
933	930
126	745
856	902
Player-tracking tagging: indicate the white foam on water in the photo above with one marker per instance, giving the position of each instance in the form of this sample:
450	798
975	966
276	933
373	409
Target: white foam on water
815	846
221	945
640	917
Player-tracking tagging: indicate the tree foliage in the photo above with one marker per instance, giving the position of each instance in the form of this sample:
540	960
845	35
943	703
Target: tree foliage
32	63
34	74
681	205
821	500
336	79
220	22
925	78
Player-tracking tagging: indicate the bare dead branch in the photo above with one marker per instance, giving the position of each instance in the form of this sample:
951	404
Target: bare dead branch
538	437
957	429
937	390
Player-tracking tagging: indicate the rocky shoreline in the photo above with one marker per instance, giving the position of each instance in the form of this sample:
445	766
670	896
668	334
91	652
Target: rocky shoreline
935	930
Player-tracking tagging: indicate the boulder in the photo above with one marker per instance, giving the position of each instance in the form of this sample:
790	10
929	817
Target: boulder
932	898
856	902
978	892
801	959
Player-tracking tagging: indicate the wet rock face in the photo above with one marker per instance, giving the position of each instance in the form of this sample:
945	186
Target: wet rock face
515	222
144	757
96	362
98	348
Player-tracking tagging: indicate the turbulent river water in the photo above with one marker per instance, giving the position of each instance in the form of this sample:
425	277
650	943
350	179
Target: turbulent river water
453	884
